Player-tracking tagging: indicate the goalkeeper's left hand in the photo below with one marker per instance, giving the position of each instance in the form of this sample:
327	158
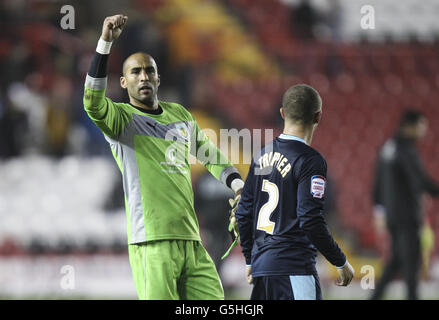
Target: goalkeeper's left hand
233	224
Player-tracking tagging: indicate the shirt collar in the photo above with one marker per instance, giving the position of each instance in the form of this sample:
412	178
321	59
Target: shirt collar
157	111
290	137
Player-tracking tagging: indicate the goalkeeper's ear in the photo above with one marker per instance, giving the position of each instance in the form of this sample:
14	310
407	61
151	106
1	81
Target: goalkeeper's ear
123	82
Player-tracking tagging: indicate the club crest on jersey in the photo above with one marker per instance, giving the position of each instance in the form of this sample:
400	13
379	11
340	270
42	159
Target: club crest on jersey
182	130
318	184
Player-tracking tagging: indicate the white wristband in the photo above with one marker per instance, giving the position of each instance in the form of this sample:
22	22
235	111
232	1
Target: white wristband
237	184
103	46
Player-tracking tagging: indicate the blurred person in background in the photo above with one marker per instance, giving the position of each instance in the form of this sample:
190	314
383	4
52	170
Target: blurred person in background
400	182
13	123
151	141
334	19
58	117
304	18
211	201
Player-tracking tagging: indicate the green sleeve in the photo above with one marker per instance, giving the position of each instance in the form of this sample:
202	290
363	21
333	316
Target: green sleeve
110	117
210	156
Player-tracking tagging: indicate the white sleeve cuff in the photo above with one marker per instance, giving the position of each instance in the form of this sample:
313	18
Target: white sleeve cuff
103	46
342	265
237	184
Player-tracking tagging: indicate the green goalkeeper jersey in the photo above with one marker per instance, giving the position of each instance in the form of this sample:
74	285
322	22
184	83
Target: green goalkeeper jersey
152	152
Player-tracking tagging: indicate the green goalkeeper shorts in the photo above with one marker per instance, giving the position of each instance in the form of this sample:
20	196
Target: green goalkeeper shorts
174	269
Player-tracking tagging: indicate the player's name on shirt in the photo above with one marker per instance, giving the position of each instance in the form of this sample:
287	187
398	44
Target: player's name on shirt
270	160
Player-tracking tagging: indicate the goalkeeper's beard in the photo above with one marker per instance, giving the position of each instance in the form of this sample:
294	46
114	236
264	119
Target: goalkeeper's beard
146	100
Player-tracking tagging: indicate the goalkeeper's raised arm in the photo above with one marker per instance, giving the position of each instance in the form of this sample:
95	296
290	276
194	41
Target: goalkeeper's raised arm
101	109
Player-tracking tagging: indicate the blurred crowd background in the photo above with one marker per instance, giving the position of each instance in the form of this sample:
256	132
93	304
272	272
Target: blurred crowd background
229	63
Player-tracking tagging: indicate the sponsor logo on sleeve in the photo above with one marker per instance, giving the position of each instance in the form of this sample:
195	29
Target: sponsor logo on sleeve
318	184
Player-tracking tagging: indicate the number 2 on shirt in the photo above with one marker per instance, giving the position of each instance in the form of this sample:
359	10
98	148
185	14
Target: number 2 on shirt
264	222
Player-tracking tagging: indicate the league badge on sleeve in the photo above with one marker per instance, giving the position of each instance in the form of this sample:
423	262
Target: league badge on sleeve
182	130
318	184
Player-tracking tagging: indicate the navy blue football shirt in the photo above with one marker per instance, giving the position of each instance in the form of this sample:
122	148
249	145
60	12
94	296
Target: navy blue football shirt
280	214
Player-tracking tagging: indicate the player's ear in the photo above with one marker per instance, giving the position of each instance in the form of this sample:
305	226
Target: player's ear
123	82
158	80
318	117
282	112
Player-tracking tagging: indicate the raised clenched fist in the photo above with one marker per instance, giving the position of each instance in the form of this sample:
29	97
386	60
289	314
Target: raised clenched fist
113	27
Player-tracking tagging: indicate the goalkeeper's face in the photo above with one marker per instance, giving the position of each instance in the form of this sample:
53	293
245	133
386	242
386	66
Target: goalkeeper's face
140	78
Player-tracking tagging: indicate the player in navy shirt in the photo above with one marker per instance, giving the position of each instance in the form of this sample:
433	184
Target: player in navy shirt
280	214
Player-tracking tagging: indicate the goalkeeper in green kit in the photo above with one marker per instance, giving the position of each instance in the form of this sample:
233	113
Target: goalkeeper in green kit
151	141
